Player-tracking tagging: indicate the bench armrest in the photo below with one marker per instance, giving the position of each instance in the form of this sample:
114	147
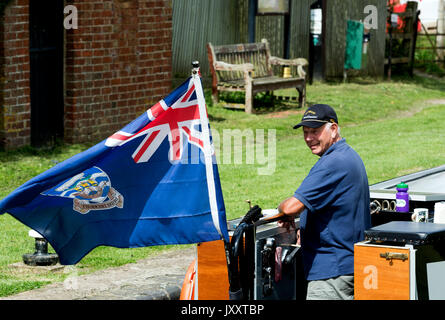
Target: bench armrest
223	66
288	62
299	63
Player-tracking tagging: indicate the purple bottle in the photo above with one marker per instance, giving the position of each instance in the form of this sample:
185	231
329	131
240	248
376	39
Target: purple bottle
402	198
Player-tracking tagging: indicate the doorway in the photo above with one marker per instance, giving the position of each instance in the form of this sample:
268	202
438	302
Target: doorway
46	71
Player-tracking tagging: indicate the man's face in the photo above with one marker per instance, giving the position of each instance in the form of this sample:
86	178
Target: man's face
319	139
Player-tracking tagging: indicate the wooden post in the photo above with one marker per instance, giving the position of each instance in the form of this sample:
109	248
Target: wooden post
212	59
249	93
252	8
390	43
413	43
286	36
440	42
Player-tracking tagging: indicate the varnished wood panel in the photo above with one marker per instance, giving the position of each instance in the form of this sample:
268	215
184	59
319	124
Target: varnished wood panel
376	278
213	279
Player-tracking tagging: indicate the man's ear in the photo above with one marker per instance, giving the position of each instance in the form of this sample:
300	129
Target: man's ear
334	130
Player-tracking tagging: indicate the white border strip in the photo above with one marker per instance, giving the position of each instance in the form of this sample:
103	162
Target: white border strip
195	289
150	115
207	152
163	104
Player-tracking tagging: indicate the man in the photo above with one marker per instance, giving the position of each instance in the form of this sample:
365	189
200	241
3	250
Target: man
333	205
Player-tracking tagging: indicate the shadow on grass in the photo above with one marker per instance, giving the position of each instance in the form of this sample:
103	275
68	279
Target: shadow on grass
424	79
399	74
263	103
426	82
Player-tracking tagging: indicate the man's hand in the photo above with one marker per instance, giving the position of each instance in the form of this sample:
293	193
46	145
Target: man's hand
287	224
289	208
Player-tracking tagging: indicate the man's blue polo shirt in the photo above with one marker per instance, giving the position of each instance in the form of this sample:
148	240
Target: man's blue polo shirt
336	196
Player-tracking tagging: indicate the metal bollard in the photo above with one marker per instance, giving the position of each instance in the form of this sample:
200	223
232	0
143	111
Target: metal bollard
40	257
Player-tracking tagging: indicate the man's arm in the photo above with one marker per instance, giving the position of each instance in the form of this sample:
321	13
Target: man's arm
291	207
288	209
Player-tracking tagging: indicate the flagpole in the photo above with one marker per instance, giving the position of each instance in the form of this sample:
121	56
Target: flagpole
207	146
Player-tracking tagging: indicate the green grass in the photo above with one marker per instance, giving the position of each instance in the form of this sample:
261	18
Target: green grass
12	285
388	123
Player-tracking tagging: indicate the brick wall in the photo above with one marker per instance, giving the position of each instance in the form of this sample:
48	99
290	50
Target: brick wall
15	112
118	63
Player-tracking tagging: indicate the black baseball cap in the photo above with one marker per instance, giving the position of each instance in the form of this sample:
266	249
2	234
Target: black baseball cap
317	115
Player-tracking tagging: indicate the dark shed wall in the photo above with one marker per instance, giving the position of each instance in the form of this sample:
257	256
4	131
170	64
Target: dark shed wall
337	14
300	28
196	22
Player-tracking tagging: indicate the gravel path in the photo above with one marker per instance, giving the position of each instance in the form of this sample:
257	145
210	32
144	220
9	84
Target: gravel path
158	277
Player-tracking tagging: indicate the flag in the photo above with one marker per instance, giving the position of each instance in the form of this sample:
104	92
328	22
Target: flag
154	182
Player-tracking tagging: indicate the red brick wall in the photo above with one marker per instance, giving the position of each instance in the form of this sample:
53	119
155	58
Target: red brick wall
118	63
15	111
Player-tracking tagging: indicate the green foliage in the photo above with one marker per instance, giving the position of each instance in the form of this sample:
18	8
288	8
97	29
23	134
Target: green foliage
424	57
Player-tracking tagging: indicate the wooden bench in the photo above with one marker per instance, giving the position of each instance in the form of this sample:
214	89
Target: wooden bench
248	68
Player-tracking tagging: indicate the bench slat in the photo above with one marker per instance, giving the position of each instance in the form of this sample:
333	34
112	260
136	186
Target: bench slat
239	48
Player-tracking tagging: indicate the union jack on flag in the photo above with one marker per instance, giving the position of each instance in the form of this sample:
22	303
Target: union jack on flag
165	119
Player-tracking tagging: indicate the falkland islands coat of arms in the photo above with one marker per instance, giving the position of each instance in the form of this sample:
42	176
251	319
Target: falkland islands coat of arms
90	190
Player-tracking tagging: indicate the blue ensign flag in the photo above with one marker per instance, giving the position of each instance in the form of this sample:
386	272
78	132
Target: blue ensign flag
154	182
